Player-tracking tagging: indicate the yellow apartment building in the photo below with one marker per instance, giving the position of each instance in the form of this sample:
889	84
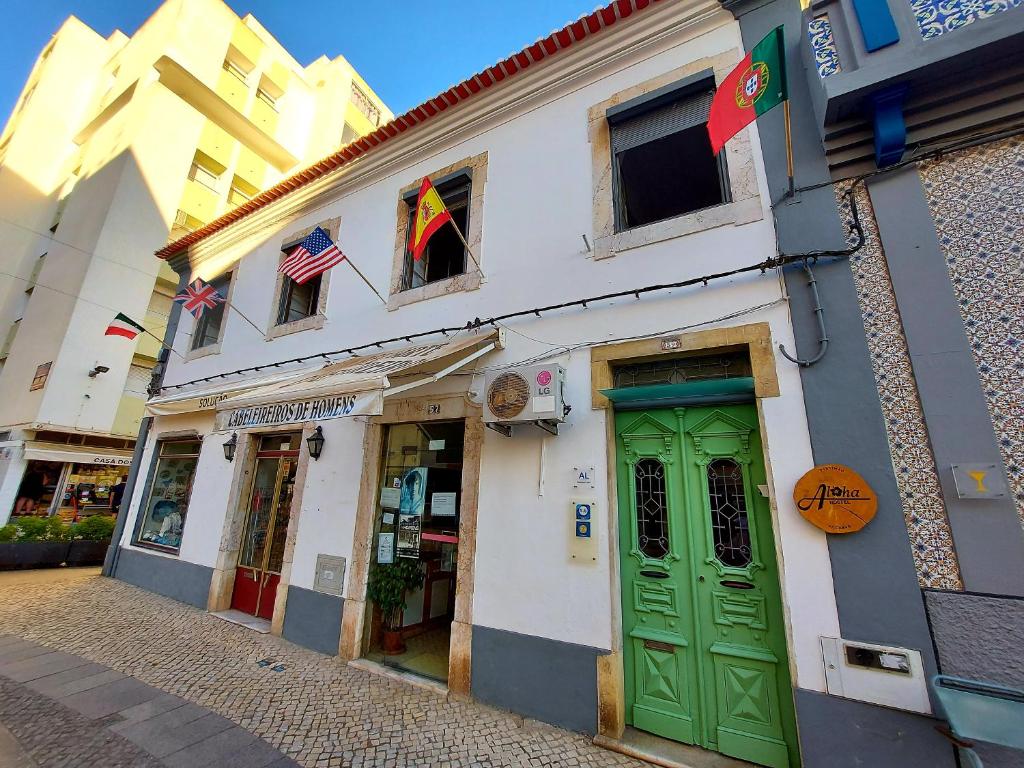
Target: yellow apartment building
116	145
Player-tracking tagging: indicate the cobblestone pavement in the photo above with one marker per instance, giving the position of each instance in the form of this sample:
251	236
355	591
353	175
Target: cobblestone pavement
317	710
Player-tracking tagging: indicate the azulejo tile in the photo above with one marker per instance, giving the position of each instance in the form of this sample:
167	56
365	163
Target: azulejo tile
976	197
823	45
917	479
937	17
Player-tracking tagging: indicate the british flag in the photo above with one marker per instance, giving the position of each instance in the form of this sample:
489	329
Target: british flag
316	254
199	297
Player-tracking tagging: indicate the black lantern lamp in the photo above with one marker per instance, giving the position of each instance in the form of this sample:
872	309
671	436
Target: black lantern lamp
315	443
230	446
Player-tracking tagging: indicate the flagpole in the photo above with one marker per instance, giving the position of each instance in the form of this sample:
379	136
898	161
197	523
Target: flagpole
250	322
162	344
382	299
789	148
468	249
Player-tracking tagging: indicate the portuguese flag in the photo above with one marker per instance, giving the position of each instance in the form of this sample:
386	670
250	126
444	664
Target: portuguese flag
756	85
122	325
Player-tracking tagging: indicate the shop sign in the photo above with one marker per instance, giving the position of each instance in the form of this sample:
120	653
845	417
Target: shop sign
835	498
298	411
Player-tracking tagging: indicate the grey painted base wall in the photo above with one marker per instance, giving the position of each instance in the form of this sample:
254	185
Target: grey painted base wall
313	620
842	733
539	678
177	579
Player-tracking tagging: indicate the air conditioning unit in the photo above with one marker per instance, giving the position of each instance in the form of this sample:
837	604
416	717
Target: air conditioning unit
530	394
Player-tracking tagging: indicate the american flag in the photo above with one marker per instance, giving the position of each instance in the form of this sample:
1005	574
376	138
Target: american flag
199	297
316	254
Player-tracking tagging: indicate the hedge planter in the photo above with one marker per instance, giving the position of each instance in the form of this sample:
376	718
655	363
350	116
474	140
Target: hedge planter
85	552
33	554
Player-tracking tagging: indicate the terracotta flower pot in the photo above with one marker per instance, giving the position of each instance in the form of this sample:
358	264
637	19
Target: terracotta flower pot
392	642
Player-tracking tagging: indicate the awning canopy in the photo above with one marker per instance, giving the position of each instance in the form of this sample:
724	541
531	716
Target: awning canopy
85	455
351	387
206	398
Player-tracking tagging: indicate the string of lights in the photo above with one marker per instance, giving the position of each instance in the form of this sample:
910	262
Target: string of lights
771	263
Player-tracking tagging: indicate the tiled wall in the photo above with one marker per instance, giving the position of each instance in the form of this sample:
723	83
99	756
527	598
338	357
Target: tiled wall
823	44
976	197
916	474
936	17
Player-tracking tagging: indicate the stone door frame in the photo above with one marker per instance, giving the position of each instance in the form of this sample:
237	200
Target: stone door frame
442	407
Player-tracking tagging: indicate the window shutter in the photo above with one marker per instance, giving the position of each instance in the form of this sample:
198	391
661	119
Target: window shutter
661	122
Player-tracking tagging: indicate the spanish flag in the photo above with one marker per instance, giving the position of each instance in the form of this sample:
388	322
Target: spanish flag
431	215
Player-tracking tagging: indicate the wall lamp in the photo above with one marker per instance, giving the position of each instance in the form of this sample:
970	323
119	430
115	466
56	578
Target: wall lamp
315	443
230	446
97	371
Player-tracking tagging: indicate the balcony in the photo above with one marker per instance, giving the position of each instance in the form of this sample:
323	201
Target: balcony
885	73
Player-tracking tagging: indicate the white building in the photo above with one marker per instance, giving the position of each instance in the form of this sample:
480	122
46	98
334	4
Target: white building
688	599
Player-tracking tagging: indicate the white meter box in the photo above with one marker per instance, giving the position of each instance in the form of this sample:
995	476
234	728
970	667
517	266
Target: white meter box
583	530
879	674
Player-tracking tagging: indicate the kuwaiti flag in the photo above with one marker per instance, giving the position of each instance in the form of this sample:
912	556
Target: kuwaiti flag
316	254
122	325
757	84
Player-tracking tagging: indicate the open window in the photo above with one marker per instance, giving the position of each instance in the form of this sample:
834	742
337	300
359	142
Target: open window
445	255
662	162
208	327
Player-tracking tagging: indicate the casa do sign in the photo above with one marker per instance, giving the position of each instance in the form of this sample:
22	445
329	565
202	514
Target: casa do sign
835	499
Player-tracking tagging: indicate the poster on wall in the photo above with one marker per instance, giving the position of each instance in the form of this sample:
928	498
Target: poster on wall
385	548
442	504
409	535
414	492
390	498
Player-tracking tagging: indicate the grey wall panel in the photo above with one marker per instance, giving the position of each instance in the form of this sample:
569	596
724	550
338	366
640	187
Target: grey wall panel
978	636
842	733
544	679
987	533
313	620
179	579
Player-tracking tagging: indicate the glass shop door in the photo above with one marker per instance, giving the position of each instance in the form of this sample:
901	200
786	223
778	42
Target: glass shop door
261	553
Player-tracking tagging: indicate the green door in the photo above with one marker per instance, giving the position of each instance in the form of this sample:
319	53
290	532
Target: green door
703	636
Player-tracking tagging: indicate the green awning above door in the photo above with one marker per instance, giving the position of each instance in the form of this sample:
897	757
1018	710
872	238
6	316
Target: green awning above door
738	390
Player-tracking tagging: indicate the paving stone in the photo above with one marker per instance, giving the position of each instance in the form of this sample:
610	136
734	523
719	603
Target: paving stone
40	666
85	684
107	699
318	712
52	682
160	741
223	750
22	651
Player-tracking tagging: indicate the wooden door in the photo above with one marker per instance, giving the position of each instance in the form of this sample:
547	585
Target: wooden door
704	640
261	554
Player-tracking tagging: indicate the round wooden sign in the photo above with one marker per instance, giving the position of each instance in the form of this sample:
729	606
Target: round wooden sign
835	499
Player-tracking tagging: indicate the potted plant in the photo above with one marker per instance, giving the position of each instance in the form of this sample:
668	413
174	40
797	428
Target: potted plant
89	540
387	587
33	542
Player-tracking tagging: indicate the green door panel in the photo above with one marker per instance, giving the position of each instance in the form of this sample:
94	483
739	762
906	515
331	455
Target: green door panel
704	641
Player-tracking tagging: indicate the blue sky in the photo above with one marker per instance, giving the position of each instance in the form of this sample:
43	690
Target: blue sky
385	40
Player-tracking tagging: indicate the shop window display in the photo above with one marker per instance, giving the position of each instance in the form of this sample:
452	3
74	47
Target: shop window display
163	517
417	521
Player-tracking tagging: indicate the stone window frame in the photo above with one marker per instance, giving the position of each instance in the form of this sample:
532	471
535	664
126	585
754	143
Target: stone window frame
743	207
313	322
476	167
214	349
141	511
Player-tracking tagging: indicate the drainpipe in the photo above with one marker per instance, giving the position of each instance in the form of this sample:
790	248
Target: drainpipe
180	265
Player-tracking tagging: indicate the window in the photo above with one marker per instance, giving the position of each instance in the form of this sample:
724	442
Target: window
298	301
348	134
235	69
241	191
162	518
267	98
651	508
661	157
39	380
183	224
205	170
445	255
728	506
208	327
